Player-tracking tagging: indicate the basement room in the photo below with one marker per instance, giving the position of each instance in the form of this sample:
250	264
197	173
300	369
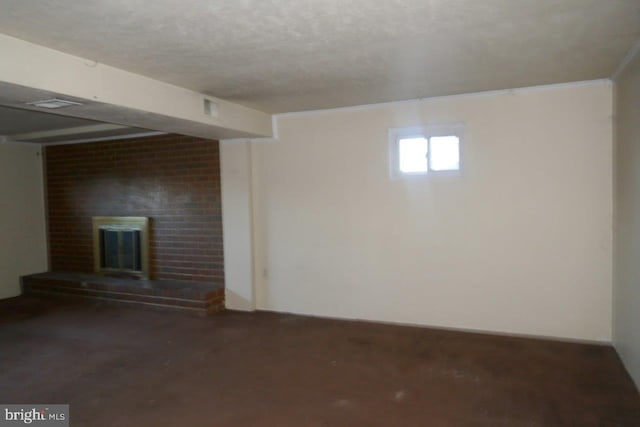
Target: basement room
320	213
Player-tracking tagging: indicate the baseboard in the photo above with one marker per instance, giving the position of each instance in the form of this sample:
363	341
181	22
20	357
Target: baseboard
450	329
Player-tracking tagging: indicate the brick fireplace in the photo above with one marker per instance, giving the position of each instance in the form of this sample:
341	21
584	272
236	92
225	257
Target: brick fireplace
172	180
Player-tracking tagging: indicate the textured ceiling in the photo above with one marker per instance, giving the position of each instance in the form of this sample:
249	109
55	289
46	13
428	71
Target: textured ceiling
292	55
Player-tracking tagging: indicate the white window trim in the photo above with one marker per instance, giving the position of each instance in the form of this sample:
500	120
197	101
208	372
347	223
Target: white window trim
395	134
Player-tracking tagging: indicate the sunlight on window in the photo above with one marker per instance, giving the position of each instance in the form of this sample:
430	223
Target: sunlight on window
445	153
413	155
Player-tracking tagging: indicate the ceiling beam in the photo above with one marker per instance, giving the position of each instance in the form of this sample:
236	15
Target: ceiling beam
70	132
116	96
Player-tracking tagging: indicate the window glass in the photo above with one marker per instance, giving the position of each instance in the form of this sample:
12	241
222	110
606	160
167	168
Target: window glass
413	154
445	153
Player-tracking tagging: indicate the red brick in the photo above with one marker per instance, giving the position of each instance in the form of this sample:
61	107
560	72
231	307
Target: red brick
172	179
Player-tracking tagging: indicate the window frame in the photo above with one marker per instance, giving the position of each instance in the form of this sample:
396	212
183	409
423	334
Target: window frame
396	134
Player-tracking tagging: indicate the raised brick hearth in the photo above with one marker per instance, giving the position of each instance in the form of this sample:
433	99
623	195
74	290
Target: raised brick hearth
191	297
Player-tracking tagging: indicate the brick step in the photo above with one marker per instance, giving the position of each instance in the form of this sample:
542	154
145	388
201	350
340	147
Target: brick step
197	298
89	292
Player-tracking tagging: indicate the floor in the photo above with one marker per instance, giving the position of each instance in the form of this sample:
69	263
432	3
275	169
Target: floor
124	367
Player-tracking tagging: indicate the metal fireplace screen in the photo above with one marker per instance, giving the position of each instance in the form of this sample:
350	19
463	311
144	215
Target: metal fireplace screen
121	245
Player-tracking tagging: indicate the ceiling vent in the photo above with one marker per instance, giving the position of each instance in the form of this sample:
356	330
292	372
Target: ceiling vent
210	108
53	103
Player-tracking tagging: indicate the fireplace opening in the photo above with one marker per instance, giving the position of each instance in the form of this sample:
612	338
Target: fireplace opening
121	246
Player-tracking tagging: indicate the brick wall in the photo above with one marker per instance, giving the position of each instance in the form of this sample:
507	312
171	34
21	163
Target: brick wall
174	180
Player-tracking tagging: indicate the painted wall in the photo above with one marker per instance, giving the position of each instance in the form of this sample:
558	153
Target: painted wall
520	242
627	231
23	246
235	171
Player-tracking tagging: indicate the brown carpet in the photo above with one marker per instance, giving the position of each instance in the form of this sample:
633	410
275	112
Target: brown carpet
123	367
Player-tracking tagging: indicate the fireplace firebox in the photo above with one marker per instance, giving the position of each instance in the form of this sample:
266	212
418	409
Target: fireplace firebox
121	246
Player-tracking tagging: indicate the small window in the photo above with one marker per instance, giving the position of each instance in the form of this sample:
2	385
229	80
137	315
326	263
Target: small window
420	151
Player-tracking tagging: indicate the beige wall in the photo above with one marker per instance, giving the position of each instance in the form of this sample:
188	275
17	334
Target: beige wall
627	231
22	220
520	242
235	175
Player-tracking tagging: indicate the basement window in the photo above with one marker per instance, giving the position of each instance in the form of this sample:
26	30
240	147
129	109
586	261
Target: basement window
418	151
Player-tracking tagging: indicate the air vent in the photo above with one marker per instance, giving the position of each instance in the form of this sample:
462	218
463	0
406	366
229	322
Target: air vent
210	108
53	103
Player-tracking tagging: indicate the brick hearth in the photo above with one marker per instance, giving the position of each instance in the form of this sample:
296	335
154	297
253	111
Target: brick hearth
191	297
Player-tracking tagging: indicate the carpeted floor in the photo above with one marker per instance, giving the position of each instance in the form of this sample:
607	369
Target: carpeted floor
124	367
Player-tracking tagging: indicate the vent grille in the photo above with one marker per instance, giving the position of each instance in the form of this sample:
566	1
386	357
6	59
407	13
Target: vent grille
53	103
210	108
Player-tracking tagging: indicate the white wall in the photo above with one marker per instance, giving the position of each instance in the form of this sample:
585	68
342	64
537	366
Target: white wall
520	243
235	173
627	231
23	248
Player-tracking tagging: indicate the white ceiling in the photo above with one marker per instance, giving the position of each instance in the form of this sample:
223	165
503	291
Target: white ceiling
292	55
